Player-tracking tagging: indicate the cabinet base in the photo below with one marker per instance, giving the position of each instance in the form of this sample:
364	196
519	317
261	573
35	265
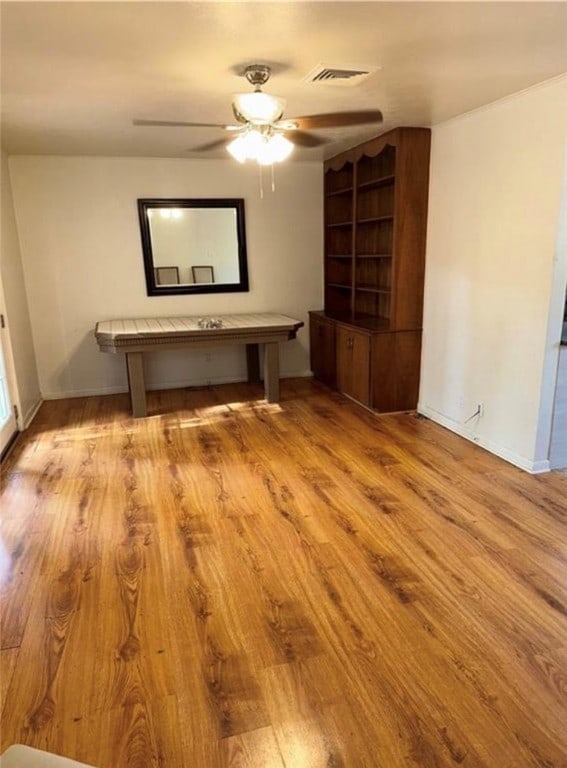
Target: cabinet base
384	374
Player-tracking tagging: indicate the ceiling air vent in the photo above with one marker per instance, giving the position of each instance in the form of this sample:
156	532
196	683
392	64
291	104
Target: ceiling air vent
348	76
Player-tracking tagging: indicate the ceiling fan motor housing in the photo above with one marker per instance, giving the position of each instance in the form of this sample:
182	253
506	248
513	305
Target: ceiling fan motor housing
257	74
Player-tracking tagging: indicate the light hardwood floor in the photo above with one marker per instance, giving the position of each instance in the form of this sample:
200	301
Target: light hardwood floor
231	583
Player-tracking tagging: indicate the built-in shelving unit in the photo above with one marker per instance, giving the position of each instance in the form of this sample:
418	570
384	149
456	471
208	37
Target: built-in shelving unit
375	217
339	224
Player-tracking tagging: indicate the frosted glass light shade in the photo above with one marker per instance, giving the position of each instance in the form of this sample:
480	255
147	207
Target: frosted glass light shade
275	150
259	107
246	146
265	149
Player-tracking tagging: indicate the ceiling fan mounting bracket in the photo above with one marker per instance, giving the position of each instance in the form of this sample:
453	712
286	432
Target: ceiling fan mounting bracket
257	74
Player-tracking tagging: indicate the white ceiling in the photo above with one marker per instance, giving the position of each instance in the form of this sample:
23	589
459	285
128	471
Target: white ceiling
75	74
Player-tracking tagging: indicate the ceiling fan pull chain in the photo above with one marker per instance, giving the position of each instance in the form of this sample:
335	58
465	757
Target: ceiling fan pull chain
273	179
261	182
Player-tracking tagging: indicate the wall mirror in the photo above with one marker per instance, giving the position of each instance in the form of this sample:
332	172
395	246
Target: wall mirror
193	245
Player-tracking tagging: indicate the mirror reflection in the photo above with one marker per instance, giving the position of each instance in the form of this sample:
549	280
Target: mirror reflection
193	246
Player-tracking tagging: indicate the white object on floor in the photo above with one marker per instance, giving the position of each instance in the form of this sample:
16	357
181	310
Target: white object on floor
18	756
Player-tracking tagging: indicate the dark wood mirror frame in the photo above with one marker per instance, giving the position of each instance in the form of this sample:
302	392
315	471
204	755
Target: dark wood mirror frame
153	289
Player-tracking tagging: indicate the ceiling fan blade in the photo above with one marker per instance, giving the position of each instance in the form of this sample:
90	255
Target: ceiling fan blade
179	124
210	145
337	119
239	117
304	139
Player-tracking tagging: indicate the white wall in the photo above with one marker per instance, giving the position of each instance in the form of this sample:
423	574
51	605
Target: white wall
81	251
493	270
21	352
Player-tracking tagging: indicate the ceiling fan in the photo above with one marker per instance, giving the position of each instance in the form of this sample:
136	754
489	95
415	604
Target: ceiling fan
261	133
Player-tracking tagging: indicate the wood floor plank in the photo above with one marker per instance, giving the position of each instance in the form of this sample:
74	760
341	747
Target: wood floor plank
255	749
235	583
8	659
26	554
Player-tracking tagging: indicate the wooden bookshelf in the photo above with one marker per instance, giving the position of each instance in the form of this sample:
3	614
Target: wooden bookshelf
375	203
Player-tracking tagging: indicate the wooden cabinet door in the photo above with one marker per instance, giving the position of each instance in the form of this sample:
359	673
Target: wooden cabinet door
344	360
353	364
395	370
322	345
361	367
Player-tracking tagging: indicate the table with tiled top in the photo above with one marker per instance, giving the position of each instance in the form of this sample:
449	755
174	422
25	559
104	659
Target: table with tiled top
134	337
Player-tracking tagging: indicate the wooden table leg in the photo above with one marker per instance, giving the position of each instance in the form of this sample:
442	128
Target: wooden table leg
136	384
272	371
253	362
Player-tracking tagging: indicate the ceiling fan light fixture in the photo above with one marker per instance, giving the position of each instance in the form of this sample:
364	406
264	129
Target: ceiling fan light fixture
264	148
275	149
259	107
246	146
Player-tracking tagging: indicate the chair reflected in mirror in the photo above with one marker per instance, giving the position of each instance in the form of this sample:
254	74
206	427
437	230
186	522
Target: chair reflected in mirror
166	275
203	274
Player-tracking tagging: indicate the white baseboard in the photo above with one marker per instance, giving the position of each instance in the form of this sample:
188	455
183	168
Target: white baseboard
30	415
533	467
92	392
539	467
83	393
304	374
